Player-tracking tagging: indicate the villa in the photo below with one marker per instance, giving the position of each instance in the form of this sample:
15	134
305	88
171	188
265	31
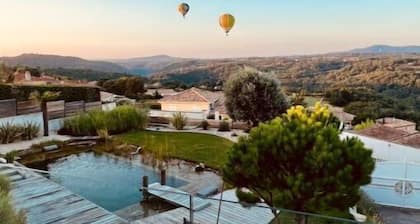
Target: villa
196	100
394	130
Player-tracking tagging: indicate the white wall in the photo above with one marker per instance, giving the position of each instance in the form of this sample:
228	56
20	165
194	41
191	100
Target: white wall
389	151
168	114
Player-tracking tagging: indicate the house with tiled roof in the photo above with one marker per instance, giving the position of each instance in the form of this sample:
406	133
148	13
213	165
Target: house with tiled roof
394	130
195	100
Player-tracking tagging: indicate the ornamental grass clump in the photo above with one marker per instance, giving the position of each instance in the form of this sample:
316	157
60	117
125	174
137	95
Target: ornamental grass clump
7	213
179	121
119	120
30	130
10	133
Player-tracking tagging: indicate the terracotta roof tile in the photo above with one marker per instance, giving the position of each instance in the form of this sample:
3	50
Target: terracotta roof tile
193	95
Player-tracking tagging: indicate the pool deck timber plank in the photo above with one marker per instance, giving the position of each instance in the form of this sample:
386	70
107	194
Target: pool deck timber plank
231	213
46	202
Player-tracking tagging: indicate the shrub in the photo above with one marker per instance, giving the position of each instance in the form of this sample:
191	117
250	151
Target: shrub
30	130
4	184
205	125
365	124
121	119
247	197
224	126
10	156
179	120
7	213
9	133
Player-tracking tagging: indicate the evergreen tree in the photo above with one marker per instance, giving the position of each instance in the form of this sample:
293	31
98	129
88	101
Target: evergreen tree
254	97
299	162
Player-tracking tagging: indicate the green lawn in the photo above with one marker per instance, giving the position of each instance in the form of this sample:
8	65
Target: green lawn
209	149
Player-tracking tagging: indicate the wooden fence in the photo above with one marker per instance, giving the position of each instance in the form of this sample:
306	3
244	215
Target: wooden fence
8	108
55	109
27	107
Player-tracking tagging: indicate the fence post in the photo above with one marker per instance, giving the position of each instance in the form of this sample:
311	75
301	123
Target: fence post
44	110
163	177
191	210
145	186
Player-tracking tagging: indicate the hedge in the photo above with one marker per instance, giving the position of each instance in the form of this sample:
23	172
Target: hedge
68	93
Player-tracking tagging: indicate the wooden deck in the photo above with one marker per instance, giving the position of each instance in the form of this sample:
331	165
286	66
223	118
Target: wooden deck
46	202
177	197
231	213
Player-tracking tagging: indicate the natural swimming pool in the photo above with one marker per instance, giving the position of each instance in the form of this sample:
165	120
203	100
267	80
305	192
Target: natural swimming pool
109	181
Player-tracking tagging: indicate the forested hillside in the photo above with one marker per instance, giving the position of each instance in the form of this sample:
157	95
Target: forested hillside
311	73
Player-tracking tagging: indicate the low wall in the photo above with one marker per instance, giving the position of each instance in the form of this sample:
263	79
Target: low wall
197	122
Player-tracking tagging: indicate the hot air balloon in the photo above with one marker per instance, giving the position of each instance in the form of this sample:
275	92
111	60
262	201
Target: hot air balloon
227	21
183	8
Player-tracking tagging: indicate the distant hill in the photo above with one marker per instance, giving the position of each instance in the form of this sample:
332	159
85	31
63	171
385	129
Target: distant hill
386	49
145	66
56	61
312	73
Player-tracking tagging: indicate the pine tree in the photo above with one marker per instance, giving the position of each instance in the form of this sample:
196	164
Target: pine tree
299	162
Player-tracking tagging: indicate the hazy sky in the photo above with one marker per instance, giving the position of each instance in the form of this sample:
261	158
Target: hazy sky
130	28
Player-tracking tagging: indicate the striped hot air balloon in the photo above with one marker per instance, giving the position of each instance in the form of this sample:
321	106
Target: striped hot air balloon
227	21
183	8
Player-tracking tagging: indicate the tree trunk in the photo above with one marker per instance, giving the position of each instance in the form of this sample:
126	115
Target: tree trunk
301	219
45	117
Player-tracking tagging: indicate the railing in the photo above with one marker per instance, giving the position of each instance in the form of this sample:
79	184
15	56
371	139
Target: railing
284	216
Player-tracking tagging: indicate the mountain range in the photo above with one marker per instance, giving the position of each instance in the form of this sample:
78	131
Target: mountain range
190	70
386	49
66	62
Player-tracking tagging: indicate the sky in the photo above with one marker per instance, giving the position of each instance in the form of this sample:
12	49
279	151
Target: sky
111	29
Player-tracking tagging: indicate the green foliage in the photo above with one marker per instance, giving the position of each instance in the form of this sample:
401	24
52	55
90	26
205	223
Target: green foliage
10	133
30	130
254	97
363	111
44	97
68	93
83	74
247	197
204	125
121	119
224	126
179	120
365	124
4	184
7	213
299	162
381	102
10	156
132	87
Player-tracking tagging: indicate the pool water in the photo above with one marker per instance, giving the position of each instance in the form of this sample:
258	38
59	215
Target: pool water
109	181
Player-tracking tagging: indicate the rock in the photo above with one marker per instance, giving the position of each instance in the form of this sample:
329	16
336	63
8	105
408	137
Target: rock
50	148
